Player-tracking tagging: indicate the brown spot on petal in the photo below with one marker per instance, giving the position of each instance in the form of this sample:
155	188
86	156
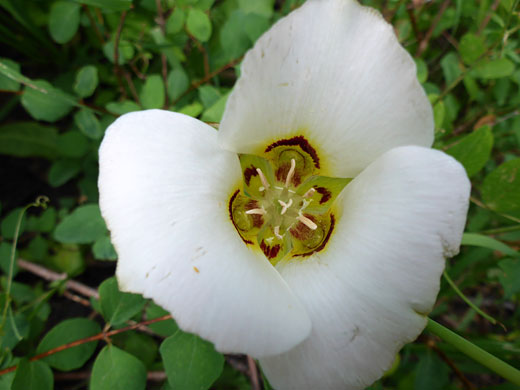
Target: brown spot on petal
248	173
297	141
196	269
325	194
258	220
282	172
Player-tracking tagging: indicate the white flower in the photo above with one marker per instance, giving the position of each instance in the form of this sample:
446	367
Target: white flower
329	90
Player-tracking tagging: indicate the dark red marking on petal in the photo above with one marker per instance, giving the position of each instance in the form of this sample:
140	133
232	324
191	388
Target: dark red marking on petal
248	173
302	232
297	141
324	242
269	252
230	209
325	194
283	171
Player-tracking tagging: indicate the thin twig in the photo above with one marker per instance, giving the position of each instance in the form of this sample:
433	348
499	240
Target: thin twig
97	337
131	86
486	20
411	14
253	373
152	376
93	24
164	63
117	68
423	45
52	276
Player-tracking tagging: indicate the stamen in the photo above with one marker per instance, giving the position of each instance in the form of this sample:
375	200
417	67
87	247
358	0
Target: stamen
307	222
256	211
262	178
277	232
291	173
309	192
284	205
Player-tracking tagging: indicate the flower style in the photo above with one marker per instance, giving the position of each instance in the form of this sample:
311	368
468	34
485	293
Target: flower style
311	230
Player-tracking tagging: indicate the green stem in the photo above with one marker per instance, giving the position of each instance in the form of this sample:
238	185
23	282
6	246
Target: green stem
476	353
505	229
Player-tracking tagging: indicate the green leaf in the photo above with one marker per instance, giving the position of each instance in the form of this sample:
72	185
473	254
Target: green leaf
193	109
125	51
72	144
33	375
480	240
473	150
190	362
164	328
65	332
450	67
510	279
260	7
178	83
104	250
198	24
16	328
233	36
501	188
422	70
44	102
115	369
6	83
141	345
43	223
62	171
86	81
152	94
85	225
175	21
116	306
123	107
432	373
64	20
494	69
111	5
9	222
68	259
471	48
28	139
88	123
215	112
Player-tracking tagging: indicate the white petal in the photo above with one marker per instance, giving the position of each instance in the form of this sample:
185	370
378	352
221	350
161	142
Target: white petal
164	192
334	72
369	291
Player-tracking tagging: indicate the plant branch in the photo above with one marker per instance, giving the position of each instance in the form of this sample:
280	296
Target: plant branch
423	44
117	68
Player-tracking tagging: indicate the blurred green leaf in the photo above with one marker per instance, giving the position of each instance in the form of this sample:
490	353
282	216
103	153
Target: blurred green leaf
44	223
474	239
473	150
152	94
64	20
116	306
124	107
198	24
72	144
115	369
103	249
65	332
494	69
68	259
164	328
88	123
175	22
6	83
190	362
501	188
9	222
111	5
125	51
215	112
16	328
510	279
178	83
83	226
432	373
260	7
33	375
422	70
62	171
28	139
86	81
471	48
42	104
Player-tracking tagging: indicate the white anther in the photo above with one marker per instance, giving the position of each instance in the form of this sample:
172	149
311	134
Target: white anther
256	211
277	232
262	178
291	173
284	205
309	192
261	188
307	222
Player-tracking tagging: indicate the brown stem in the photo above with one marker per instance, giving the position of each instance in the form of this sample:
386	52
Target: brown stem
164	63
117	68
253	373
486	20
131	85
97	337
94	24
423	45
411	14
52	276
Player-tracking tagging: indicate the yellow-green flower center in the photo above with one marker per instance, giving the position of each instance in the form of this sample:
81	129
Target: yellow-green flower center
284	209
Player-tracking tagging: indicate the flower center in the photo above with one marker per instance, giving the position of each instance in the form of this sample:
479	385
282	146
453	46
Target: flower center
283	207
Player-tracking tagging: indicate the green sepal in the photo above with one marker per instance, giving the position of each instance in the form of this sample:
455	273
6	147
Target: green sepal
252	183
326	191
247	225
274	248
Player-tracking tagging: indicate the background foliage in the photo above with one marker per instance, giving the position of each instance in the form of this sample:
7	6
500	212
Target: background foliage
70	67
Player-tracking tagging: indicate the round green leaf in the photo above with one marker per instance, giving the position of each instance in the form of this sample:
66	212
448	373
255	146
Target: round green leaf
198	24
64	20
473	150
62	171
41	106
152	94
72	144
86	81
501	188
471	48
66	332
88	124
115	369
190	362
104	250
33	375
495	69
83	226
116	306
24	139
175	21
178	83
